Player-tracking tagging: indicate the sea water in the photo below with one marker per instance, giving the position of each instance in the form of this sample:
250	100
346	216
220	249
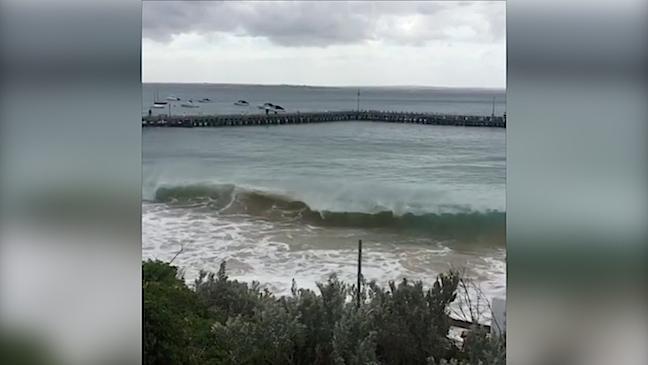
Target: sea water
291	202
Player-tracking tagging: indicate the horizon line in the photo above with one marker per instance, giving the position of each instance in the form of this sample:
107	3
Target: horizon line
330	86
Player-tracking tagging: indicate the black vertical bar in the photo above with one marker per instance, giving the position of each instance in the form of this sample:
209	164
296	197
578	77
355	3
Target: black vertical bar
358	102
359	270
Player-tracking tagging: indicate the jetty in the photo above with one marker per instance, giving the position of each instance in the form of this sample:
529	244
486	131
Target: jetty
235	120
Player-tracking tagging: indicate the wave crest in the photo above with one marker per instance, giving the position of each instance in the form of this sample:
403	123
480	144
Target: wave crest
230	199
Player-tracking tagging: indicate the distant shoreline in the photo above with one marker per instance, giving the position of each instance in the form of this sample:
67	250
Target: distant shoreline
410	87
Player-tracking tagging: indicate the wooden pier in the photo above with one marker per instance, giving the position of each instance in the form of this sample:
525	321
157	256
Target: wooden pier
233	120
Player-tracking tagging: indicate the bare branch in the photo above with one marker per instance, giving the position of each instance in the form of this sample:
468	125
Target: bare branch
178	253
472	303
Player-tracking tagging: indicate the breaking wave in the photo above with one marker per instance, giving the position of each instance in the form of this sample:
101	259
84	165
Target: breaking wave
230	199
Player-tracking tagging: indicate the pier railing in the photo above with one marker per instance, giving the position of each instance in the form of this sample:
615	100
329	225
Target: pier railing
231	120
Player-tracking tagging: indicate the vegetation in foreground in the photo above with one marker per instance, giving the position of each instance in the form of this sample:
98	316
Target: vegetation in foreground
223	321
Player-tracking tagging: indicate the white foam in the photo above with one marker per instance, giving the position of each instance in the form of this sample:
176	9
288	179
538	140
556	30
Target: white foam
274	254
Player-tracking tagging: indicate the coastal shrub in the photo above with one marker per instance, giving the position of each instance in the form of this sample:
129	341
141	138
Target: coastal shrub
223	321
480	349
267	337
412	323
229	298
176	328
354	339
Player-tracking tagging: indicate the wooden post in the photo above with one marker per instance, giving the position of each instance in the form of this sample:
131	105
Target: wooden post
359	271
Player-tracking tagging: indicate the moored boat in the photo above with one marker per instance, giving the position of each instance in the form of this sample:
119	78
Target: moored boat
189	104
158	104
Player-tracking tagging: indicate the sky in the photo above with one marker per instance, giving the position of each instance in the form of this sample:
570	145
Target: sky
420	43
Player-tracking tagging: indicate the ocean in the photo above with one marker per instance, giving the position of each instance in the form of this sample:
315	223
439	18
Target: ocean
291	202
312	98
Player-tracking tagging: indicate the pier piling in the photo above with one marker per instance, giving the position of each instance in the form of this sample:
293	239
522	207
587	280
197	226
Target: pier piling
223	120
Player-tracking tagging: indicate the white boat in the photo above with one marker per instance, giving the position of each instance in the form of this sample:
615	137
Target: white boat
158	104
205	100
267	106
189	104
242	103
173	98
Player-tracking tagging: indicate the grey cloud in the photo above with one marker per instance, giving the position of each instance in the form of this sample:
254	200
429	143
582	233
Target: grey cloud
324	23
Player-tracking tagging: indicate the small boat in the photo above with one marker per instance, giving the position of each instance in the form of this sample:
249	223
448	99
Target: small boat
267	107
189	104
173	98
158	104
204	100
242	103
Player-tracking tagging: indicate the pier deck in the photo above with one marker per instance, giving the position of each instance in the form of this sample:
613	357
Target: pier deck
233	120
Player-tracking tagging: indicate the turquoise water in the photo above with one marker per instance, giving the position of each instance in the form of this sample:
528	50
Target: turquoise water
286	202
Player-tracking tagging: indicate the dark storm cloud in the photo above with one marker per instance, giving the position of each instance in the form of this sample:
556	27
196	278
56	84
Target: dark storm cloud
327	23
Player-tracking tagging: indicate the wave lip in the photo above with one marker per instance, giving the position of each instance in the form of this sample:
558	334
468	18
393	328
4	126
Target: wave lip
230	199
212	195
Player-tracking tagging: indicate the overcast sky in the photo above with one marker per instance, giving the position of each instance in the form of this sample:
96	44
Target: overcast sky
426	43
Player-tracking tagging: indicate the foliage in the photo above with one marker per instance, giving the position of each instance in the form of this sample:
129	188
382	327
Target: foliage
481	349
412	323
176	328
223	321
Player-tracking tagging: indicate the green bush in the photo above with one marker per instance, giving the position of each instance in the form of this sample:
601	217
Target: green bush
481	349
223	321
176	327
412	323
